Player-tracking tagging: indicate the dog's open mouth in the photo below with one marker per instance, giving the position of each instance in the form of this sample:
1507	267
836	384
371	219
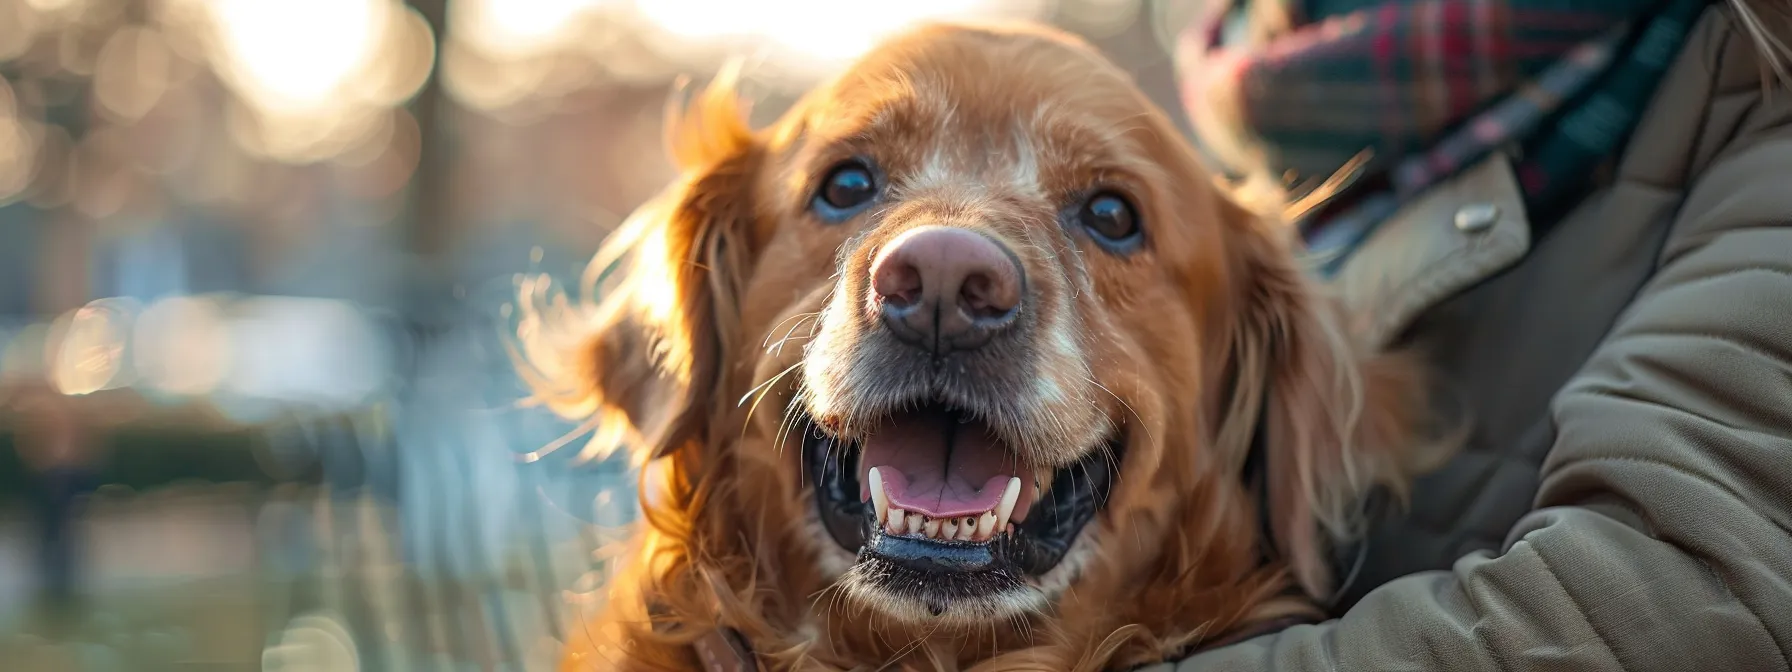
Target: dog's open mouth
940	510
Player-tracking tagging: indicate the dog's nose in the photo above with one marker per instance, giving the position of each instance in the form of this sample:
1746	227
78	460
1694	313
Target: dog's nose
946	288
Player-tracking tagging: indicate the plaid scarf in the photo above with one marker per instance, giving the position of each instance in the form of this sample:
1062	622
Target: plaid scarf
1425	87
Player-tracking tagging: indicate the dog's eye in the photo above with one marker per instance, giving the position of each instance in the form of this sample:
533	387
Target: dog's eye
1110	219
847	188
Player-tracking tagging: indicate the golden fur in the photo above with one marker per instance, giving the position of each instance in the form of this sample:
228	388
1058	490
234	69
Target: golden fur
731	311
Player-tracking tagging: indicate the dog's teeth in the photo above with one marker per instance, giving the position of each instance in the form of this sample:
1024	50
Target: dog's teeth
1009	497
986	525
931	527
967	528
880	501
949	530
914	523
897	521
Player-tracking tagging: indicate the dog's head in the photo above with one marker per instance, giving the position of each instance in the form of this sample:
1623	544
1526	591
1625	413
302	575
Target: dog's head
975	330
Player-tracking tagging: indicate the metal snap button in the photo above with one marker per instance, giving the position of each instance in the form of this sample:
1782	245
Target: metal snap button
1477	218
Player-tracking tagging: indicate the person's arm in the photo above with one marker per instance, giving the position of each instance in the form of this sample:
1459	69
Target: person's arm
1663	534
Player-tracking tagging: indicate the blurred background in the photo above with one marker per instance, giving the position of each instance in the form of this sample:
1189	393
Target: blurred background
257	261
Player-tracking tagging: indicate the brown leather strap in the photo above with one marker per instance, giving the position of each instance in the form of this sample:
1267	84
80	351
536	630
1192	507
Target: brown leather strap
721	650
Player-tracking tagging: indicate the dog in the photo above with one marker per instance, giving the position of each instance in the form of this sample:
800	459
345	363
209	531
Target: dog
965	363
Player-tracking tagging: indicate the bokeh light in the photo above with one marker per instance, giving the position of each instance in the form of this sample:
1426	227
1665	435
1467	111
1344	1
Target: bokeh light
132	73
18	26
297	56
313	643
511	53
313	78
1101	18
520	27
183	345
311	353
88	353
18	147
812	31
52	6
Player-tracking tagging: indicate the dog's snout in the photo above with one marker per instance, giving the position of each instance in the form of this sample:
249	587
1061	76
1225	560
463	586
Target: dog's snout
944	288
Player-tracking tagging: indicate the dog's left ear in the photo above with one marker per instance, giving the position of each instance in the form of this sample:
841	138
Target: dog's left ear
644	364
1339	419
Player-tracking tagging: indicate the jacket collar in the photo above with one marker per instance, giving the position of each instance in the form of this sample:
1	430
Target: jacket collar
1451	237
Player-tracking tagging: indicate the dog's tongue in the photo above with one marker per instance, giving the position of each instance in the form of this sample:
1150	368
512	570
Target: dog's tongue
934	463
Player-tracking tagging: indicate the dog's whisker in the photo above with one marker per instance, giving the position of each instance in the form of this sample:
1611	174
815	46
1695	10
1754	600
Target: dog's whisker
789	422
1112	460
797	318
777	349
1123	404
909	647
762	387
824	592
781	438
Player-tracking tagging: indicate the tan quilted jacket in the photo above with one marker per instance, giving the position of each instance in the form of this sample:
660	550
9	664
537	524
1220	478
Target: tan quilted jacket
1626	502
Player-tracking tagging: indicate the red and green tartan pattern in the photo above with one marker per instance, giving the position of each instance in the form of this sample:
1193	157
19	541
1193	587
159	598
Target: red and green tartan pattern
1428	87
1390	76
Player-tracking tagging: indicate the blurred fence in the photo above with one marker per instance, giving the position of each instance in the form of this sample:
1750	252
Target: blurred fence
255	261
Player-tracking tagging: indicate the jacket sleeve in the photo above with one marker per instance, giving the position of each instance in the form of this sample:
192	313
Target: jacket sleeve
1662	533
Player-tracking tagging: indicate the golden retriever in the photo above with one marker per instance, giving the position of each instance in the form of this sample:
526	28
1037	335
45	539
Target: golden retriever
958	366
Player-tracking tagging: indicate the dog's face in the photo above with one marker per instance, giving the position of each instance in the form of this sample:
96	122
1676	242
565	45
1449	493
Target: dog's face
1014	303
976	325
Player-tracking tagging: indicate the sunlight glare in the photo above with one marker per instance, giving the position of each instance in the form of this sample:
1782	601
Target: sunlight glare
297	54
516	26
817	29
48	6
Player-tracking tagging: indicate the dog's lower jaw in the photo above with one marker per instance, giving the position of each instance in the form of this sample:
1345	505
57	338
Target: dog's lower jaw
961	616
837	567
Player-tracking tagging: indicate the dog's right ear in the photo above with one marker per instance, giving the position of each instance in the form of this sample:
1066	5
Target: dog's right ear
640	362
1339	420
